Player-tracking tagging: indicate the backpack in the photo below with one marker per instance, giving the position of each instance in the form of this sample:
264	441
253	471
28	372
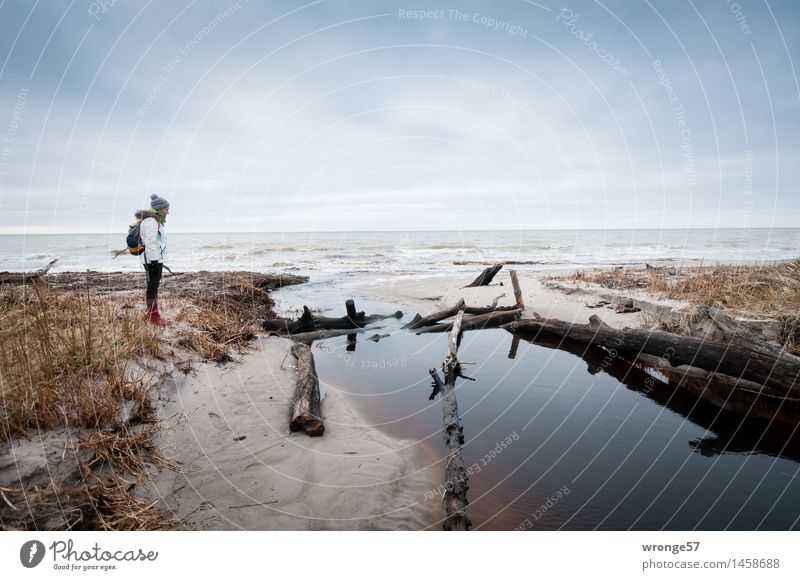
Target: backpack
134	238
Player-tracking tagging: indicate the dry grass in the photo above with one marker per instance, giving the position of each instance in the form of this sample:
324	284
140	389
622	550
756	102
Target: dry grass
129	451
225	318
65	359
767	291
68	359
96	503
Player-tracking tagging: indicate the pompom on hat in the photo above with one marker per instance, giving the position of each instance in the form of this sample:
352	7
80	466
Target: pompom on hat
158	203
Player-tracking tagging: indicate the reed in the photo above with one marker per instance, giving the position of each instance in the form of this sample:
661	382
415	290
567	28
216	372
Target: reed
770	290
68	360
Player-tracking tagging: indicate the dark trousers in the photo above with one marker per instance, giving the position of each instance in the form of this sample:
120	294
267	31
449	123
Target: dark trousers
153	271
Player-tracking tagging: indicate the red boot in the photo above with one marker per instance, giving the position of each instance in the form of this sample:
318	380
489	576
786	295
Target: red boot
154	316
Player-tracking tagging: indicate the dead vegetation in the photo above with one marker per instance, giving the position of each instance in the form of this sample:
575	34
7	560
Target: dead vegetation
221	313
97	503
72	356
68	361
769	291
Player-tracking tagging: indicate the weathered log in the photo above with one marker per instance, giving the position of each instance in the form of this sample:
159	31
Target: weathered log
430	320
414	320
306	410
288	326
359	321
714	324
23	277
350	308
310	323
485	277
489	320
736	358
456	479
517	290
308	337
475	310
684	384
436	316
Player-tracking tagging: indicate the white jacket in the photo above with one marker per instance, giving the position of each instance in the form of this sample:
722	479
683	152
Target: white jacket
154	239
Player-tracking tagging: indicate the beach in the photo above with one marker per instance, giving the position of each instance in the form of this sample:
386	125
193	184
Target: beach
219	454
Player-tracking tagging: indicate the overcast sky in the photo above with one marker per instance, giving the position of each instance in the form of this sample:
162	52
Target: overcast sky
363	115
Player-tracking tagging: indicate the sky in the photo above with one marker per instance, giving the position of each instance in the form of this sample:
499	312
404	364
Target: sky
347	115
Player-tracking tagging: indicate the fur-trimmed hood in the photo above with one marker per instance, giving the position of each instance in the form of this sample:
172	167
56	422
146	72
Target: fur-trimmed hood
145	213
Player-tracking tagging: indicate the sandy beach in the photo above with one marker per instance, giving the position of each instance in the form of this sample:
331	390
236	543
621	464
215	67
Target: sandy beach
550	300
227	459
242	469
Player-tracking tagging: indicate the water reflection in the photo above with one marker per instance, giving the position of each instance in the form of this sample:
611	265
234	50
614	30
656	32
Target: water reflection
727	432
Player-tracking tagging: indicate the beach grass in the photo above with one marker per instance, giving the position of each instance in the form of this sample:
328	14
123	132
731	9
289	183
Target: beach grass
225	319
68	361
76	360
767	291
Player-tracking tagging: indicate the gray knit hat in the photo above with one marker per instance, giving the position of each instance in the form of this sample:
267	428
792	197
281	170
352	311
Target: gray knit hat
158	203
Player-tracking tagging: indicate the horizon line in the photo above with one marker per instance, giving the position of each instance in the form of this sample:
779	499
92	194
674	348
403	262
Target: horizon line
115	232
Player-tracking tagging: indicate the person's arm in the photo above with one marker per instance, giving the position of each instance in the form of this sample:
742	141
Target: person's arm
148	231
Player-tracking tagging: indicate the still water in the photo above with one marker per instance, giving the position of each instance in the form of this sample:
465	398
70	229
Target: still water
555	447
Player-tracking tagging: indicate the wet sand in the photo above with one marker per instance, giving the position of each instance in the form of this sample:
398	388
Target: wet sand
241	468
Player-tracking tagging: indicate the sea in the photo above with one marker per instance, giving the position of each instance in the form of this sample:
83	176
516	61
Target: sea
551	444
321	254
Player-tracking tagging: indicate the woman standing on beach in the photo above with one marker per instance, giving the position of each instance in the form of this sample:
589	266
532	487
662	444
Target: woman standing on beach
151	232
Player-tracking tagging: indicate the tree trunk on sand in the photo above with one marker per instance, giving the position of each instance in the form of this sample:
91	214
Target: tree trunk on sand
288	326
517	290
306	411
309	337
455	475
737	358
310	323
485	277
712	323
435	317
23	277
490	320
723	392
361	319
430	320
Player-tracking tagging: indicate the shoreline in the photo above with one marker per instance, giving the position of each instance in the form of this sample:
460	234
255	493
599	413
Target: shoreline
224	419
245	471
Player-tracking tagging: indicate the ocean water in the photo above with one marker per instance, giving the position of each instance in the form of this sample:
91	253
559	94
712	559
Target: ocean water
406	253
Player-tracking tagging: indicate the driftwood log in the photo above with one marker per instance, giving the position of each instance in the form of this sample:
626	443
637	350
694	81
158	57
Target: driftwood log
419	322
309	323
485	277
736	358
309	337
23	277
481	321
684	385
474	310
456	481
306	410
288	326
517	290
712	323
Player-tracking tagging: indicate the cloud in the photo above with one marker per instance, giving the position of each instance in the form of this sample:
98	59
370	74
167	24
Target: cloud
251	117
